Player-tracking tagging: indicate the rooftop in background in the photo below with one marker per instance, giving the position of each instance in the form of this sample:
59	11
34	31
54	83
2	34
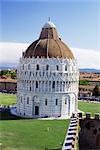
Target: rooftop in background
93	77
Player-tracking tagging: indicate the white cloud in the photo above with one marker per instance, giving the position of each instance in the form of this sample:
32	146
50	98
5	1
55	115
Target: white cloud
11	52
87	58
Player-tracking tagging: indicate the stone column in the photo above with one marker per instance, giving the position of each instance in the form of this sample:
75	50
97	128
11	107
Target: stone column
46	86
58	86
27	85
61	86
39	86
43	86
34	86
51	86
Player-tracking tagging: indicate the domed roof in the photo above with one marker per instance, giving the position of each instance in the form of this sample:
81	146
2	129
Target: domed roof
49	44
49	24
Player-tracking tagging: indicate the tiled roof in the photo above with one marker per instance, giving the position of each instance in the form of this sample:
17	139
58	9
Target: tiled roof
8	80
49	45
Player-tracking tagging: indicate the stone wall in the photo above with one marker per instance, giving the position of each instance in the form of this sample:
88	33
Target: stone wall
71	137
89	135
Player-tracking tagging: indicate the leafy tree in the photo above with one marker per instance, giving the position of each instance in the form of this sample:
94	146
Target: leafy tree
96	91
8	73
13	74
4	72
84	82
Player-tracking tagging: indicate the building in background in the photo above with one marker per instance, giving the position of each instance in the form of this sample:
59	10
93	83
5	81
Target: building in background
47	77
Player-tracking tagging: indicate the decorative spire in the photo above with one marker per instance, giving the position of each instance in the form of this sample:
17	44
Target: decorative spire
49	19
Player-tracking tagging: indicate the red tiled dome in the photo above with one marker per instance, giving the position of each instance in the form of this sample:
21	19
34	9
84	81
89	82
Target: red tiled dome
49	44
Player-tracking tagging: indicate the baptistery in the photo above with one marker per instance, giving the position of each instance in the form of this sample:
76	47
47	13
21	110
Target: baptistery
47	77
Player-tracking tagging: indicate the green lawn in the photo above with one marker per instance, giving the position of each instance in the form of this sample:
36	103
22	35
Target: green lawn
89	107
32	134
7	99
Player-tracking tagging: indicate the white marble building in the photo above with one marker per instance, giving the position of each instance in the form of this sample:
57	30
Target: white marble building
47	78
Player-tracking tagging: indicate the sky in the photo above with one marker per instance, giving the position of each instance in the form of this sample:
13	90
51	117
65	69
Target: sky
77	22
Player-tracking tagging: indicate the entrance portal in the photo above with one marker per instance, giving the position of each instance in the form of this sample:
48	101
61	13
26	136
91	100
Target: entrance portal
36	110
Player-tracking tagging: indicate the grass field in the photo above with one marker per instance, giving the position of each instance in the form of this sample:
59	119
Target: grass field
32	134
7	99
89	107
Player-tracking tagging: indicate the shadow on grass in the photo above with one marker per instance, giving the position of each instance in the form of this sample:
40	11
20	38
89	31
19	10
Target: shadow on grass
53	149
6	115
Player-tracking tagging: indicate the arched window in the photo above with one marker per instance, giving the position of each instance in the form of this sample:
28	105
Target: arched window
57	67
29	66
37	67
30	88
47	67
23	67
56	102
36	84
53	84
21	99
65	67
45	102
27	100
65	101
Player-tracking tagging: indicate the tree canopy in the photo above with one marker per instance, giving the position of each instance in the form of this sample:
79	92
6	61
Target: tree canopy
96	91
8	73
